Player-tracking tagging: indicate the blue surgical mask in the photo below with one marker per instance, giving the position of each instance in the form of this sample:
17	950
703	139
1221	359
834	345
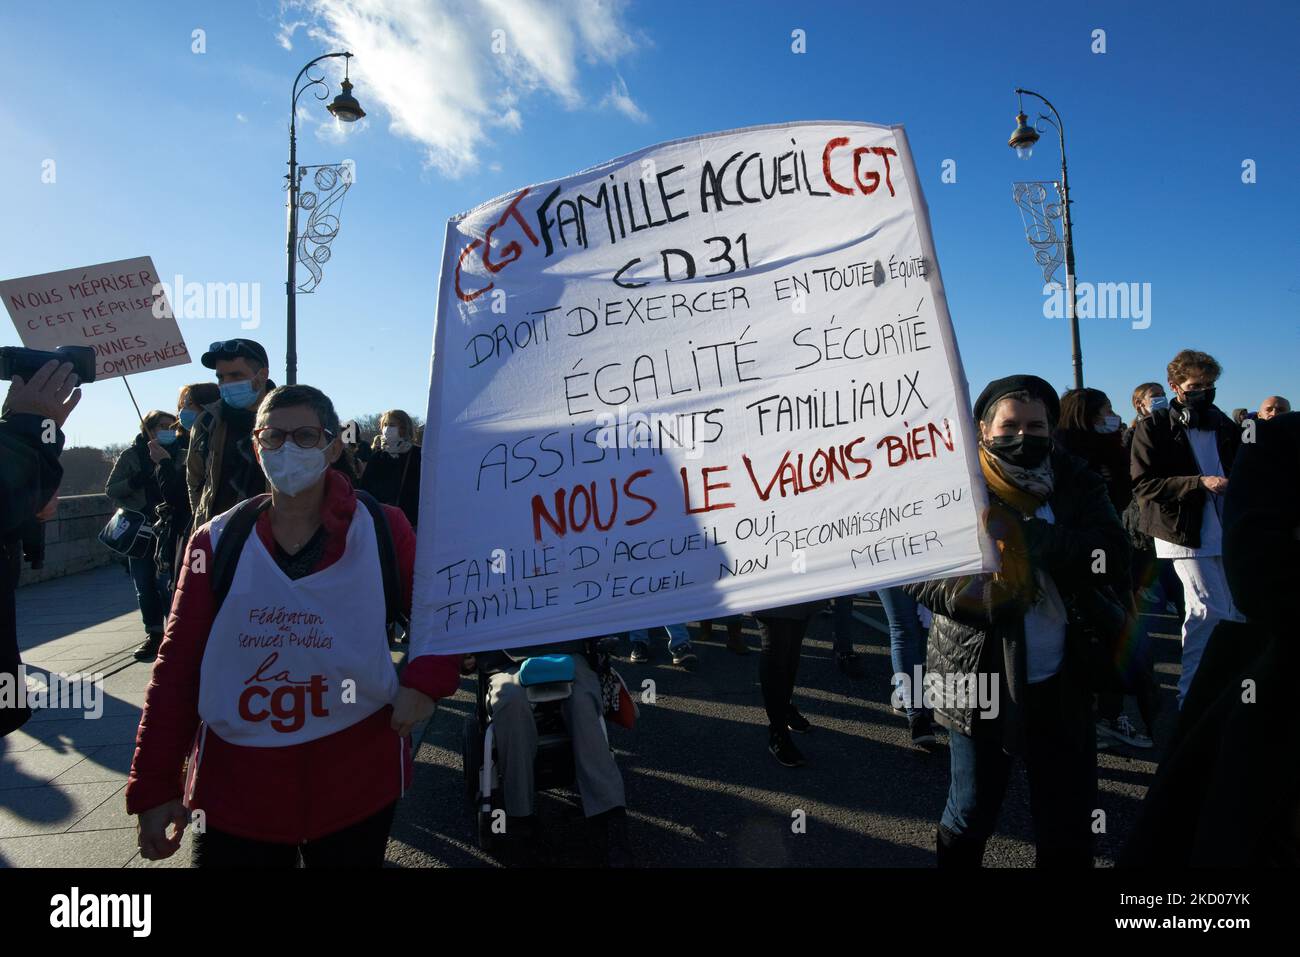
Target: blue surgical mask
1158	402
165	436
188	417
238	395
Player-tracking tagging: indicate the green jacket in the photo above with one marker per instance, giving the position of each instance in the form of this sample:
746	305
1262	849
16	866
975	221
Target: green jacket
131	484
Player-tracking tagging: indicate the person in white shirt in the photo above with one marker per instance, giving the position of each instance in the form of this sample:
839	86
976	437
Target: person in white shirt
1181	459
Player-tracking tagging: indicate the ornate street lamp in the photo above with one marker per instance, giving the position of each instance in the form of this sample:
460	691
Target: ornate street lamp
1024	137
346	109
1022	141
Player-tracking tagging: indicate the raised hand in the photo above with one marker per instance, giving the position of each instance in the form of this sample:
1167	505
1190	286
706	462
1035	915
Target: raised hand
52	393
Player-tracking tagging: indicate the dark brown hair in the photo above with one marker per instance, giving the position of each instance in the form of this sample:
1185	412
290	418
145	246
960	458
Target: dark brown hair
153	419
1142	391
200	393
1188	361
1079	409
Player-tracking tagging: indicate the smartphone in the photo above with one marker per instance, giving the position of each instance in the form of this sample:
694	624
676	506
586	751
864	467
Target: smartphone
15	360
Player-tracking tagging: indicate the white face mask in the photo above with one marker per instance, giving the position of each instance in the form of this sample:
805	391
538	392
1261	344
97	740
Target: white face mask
1110	423
291	469
392	436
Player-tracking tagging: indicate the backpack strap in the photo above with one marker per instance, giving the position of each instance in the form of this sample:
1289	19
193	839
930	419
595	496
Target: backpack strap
236	529
233	534
393	613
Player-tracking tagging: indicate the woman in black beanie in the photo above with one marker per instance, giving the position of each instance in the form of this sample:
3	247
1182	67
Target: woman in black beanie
1019	635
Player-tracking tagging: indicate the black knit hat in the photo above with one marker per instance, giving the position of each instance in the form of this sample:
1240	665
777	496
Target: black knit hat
1038	388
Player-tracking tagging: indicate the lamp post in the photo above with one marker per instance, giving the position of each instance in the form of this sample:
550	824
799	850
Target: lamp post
344	107
1022	141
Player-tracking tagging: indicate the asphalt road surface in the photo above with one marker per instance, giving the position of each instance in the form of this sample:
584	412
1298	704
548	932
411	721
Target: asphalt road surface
704	792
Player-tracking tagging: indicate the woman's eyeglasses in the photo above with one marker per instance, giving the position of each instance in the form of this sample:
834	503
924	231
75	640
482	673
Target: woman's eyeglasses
305	437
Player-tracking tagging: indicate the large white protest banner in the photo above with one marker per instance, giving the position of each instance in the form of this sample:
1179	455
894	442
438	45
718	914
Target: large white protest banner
716	375
117	308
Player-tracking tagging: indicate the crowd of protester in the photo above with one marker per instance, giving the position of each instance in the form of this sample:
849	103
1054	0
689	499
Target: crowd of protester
264	502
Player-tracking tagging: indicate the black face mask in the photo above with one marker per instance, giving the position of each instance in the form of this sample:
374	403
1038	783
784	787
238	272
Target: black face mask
1025	451
1198	399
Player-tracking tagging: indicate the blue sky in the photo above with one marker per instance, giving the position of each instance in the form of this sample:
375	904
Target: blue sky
179	155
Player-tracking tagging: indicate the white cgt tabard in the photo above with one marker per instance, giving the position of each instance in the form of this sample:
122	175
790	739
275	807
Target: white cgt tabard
292	661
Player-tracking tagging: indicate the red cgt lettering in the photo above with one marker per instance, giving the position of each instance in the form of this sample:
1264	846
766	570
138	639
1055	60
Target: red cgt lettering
289	704
866	185
510	252
289	699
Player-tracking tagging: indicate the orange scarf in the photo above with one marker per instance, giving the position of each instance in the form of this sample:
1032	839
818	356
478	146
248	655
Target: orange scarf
1016	572
1001	485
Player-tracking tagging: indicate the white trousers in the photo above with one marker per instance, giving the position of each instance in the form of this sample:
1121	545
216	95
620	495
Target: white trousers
1208	601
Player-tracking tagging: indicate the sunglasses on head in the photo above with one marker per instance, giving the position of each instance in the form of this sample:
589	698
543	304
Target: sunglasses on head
234	347
305	437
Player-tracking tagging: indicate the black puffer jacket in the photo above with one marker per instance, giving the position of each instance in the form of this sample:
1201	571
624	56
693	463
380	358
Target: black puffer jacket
979	626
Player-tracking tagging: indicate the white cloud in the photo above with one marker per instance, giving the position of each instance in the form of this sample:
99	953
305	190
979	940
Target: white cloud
241	117
602	31
444	77
618	98
285	34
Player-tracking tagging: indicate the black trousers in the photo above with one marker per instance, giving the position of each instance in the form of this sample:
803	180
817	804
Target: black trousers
778	664
11	719
1061	763
359	845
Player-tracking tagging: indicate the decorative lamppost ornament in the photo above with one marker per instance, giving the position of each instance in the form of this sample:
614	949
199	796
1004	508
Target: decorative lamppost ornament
1040	217
333	180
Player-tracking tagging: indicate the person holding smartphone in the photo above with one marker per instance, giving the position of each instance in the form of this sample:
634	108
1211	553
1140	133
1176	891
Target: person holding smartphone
31	439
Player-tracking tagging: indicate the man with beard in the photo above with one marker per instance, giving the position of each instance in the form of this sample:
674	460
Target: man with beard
221	469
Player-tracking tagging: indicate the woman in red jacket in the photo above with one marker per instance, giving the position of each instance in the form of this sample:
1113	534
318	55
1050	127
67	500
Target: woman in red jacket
284	698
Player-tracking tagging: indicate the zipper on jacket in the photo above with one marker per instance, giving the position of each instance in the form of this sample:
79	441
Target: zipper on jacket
196	758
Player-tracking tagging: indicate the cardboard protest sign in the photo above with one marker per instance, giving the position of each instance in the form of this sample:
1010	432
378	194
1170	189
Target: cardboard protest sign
717	375
112	307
